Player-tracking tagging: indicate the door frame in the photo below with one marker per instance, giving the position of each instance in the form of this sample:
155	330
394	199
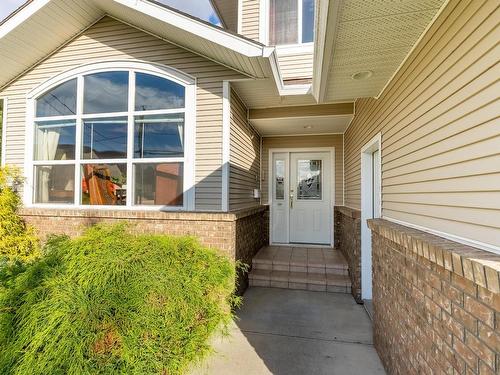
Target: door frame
270	182
375	144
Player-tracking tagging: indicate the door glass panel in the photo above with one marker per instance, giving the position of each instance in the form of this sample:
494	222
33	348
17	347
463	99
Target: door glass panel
279	175
309	179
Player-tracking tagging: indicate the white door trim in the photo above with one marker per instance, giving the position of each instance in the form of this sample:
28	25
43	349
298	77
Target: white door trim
270	185
367	211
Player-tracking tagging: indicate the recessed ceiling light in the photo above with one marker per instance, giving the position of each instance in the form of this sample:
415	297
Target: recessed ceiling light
364	74
308	127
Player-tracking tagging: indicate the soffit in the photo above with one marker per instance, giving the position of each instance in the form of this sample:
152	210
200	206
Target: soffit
302	125
376	36
36	37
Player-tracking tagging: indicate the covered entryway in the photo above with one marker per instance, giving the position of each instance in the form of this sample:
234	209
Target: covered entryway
300	193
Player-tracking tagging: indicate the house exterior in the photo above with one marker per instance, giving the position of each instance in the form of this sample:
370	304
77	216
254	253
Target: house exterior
370	127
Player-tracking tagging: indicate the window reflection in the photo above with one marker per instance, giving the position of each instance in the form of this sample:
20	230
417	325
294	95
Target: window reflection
159	136
283	22
105	138
153	93
106	92
159	184
307	21
54	183
60	101
104	184
55	140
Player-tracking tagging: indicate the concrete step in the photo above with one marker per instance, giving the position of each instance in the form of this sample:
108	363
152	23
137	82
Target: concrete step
315	281
301	260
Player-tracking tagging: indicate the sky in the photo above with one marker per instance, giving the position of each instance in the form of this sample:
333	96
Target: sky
198	8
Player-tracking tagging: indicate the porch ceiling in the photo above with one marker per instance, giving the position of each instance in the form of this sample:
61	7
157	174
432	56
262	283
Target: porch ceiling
359	36
296	120
302	125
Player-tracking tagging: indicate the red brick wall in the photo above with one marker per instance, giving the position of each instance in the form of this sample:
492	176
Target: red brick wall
238	234
436	303
348	241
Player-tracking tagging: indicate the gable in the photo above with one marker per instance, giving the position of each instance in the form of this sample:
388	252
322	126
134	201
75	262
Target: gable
112	40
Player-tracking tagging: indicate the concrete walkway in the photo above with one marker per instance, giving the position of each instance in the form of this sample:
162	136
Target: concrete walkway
291	332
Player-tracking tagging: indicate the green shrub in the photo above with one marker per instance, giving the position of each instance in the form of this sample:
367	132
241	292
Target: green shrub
111	302
17	240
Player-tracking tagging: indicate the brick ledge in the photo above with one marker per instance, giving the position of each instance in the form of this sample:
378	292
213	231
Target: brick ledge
349	212
478	266
137	214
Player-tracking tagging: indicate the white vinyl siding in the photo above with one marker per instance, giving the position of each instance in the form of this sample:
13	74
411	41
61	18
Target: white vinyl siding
112	40
296	66
244	174
439	120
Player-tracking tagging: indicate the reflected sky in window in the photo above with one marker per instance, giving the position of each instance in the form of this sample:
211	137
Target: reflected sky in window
154	93
60	101
105	92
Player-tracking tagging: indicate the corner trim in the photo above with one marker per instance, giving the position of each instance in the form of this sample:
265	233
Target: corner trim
226	140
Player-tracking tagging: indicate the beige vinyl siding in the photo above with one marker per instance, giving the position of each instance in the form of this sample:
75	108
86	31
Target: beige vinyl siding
296	66
244	171
439	120
110	39
250	13
332	140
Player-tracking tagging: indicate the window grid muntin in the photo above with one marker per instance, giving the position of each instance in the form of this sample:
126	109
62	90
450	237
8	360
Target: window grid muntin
79	118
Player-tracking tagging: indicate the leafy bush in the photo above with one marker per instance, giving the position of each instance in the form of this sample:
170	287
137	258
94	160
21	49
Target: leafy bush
112	302
17	240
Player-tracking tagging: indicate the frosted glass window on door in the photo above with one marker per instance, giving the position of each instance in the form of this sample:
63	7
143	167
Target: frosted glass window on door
279	175
309	174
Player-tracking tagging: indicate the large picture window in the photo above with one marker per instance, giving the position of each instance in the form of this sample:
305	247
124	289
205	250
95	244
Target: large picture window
291	22
111	138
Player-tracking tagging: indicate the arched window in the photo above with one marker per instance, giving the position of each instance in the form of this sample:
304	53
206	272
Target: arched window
111	138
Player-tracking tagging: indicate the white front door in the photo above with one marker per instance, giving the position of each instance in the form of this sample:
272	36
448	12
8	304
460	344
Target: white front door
301	210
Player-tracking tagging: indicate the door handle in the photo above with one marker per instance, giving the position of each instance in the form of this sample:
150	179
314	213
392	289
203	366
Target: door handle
291	200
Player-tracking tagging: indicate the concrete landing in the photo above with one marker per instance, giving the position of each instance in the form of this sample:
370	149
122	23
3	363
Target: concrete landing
294	332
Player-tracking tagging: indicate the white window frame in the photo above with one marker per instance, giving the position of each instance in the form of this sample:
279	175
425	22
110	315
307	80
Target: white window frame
368	209
283	49
131	67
